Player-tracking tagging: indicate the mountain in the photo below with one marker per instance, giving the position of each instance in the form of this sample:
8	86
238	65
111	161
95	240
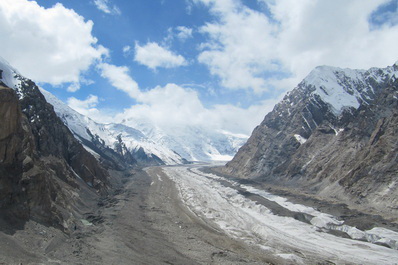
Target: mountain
45	173
194	143
146	143
104	139
334	135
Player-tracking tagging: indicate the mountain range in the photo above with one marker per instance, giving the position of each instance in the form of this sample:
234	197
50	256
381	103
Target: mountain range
334	135
147	143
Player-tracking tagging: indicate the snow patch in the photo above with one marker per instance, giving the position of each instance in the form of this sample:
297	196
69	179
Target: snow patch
345	88
300	138
10	76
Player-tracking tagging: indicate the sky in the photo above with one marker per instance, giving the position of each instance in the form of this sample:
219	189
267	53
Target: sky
221	64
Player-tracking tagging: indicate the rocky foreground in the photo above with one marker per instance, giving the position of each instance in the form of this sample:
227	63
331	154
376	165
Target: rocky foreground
143	221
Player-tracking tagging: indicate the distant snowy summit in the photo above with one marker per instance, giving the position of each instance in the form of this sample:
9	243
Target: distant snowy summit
345	88
9	76
118	137
149	144
194	143
138	140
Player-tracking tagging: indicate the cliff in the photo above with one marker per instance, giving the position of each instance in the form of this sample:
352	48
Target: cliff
334	135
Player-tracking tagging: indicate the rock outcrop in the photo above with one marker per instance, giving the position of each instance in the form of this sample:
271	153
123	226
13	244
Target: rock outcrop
43	168
334	135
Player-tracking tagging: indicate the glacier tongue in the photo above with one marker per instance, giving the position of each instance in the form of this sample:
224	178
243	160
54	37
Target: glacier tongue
258	226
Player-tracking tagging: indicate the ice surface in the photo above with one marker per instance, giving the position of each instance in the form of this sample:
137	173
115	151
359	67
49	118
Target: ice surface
255	224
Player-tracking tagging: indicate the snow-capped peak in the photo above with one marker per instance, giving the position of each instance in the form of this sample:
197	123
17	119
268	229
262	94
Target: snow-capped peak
194	143
85	128
9	75
343	88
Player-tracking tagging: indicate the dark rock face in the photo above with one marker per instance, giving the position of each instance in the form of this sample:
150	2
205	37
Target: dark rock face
15	148
53	138
144	159
119	158
349	155
42	166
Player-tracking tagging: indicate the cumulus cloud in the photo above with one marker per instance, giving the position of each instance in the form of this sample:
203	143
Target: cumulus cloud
168	105
183	33
119	78
105	7
86	107
53	45
249	49
172	106
73	87
154	56
126	50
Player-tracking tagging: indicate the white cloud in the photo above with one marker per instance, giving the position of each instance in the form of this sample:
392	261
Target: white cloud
184	33
73	87
167	106
172	106
240	48
247	49
86	107
154	56
119	78
53	45
126	50
104	6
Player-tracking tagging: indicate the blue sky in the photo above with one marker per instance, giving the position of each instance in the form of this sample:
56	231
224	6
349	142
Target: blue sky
222	64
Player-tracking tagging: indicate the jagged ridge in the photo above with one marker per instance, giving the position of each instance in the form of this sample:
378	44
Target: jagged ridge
129	144
43	167
334	134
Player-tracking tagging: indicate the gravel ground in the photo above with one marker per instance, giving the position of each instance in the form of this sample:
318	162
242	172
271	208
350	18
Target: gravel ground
143	222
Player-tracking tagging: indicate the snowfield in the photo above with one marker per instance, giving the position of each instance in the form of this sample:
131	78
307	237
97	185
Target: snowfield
285	237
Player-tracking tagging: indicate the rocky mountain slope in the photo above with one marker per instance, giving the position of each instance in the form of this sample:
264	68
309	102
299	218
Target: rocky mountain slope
104	140
146	143
334	135
43	168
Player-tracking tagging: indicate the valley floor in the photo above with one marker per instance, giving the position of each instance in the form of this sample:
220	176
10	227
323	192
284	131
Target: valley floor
181	215
144	222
